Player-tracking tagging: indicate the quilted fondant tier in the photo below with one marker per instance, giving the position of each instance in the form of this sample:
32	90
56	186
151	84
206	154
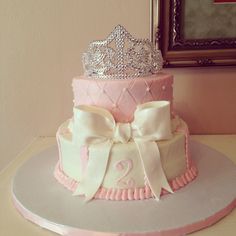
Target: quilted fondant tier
121	97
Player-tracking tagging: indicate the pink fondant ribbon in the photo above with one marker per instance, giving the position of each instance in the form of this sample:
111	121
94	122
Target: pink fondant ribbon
96	128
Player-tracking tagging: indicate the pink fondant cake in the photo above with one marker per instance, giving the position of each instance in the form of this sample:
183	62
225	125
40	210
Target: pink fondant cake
123	142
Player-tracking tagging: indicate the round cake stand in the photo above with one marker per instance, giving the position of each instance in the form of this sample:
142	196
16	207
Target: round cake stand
211	196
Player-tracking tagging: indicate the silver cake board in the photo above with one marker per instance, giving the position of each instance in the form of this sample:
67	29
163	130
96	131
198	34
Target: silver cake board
41	199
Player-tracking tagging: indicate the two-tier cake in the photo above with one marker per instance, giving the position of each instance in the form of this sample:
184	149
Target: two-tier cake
124	141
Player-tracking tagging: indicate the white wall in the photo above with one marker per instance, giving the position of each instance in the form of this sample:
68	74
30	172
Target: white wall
206	98
41	42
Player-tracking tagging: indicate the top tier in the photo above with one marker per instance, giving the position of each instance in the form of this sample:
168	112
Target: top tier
121	97
121	56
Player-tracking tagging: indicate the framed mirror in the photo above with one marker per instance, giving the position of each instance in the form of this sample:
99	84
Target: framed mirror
194	32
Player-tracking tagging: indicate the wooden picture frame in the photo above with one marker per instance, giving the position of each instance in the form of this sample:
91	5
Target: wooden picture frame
167	23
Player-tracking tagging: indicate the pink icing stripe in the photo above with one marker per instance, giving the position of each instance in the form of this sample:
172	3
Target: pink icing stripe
127	194
59	148
63	179
185	130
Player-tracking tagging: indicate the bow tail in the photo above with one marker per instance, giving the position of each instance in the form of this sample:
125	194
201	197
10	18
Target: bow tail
150	157
96	169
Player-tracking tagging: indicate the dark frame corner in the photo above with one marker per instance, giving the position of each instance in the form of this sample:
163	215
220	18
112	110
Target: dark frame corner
180	52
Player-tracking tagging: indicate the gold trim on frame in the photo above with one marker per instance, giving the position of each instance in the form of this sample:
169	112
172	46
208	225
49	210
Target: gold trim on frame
166	34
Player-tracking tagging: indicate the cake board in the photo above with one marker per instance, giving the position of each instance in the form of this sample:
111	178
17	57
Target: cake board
41	199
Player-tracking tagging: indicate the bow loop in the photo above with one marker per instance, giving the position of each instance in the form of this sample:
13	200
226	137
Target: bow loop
92	125
152	121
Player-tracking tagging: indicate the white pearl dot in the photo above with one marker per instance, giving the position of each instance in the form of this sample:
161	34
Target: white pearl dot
148	89
163	87
114	105
124	89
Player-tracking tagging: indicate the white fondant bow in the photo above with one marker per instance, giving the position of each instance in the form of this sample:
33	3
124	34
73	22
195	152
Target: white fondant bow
96	128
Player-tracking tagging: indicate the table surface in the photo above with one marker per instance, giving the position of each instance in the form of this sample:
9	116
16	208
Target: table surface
11	223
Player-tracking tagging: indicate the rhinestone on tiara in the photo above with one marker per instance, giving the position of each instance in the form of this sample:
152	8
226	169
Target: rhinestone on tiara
121	56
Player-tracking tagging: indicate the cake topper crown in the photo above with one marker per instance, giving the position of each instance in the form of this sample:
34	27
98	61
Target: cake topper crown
121	56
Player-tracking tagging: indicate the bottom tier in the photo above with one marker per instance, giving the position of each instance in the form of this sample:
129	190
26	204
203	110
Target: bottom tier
125	178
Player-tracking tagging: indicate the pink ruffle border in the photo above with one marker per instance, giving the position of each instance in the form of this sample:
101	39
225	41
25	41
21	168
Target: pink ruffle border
127	194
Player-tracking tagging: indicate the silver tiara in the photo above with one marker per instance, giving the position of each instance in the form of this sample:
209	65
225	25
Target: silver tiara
121	56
